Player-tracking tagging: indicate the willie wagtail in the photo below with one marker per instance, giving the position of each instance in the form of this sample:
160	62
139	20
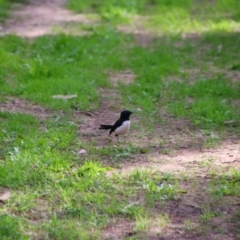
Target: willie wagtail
121	126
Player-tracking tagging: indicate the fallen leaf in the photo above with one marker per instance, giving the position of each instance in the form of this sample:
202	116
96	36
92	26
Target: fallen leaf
82	151
64	97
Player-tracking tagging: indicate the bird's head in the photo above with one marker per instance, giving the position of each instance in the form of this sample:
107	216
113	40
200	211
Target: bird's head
126	114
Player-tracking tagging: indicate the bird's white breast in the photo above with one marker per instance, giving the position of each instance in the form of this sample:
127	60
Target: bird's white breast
123	128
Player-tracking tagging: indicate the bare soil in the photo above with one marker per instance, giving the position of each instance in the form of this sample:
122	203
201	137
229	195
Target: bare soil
42	17
174	147
16	105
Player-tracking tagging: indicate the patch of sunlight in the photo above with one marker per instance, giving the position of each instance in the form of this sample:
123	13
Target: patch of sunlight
118	14
179	20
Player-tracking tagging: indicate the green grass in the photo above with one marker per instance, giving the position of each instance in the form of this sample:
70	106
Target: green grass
36	71
225	185
168	16
195	16
57	193
10	228
206	100
111	11
4	6
45	176
115	153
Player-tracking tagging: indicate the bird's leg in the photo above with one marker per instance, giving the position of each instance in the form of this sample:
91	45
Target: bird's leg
117	136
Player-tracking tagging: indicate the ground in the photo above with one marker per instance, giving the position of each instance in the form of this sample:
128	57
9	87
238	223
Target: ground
37	19
176	147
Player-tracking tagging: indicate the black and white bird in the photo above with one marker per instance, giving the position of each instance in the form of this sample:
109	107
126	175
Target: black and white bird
121	126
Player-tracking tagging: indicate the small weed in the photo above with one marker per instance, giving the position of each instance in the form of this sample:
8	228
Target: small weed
58	229
225	185
157	188
207	215
163	220
212	140
142	223
207	162
189	225
165	151
116	153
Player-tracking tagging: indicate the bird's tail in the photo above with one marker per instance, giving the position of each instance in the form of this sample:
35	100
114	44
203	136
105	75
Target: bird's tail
105	127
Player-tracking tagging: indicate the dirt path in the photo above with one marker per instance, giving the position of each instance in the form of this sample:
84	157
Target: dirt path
41	17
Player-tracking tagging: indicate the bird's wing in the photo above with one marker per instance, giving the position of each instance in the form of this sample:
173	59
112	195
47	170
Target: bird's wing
117	124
